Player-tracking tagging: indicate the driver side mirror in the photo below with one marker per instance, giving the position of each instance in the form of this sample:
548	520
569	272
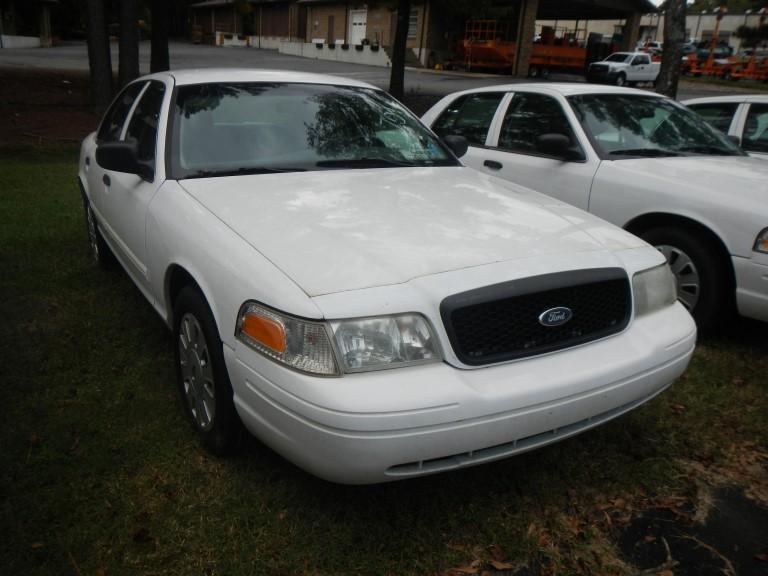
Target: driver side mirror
457	144
557	145
124	157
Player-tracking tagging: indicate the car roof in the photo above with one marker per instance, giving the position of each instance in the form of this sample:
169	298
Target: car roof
206	75
563	88
726	99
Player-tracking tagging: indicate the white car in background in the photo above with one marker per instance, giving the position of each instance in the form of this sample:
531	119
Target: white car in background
367	306
639	160
743	117
624	69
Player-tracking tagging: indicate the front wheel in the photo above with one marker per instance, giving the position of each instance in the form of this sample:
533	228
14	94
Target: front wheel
701	275
201	374
621	79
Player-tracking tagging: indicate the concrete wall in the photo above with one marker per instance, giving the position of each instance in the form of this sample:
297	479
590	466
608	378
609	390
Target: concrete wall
10	41
266	42
352	55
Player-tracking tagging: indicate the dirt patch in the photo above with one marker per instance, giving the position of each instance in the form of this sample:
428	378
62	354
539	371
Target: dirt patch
729	538
44	107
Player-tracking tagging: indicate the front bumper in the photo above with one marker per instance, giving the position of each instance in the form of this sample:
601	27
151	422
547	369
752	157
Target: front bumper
381	426
752	286
602	76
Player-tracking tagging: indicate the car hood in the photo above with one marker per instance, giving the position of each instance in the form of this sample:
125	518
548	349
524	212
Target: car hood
333	231
723	179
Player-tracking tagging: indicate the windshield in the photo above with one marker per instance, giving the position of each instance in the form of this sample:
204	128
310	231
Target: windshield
618	57
636	125
245	128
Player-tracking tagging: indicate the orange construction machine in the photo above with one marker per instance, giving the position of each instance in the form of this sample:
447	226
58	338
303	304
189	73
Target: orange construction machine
487	44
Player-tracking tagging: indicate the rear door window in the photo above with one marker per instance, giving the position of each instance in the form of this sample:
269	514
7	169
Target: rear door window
469	116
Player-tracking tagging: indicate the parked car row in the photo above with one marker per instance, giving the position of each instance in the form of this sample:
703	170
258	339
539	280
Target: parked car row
339	283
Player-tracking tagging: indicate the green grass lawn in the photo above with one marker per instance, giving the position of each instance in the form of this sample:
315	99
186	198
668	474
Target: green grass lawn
101	474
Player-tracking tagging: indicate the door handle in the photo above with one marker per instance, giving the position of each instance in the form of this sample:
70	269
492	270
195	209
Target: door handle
493	165
107	180
87	160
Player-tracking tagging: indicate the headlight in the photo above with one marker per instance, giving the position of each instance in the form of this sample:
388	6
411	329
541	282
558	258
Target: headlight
761	243
303	345
654	289
387	342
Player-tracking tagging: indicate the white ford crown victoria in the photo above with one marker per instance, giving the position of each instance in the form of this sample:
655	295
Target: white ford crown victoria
639	160
365	305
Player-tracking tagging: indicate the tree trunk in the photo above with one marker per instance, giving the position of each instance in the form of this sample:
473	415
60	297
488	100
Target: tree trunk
99	58
397	77
129	42
160	61
674	38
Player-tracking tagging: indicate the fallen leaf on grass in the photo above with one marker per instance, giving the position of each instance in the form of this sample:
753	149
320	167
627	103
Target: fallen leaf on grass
678	409
501	565
100	571
738	382
665	573
36	545
35	440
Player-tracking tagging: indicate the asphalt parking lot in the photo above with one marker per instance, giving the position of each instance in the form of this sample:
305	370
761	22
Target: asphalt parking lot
74	56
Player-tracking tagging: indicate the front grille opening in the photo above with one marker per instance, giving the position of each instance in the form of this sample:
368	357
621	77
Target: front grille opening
501	322
509	448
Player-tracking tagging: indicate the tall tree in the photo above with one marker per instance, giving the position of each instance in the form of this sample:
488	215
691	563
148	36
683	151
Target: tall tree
99	58
397	76
674	38
129	42
159	60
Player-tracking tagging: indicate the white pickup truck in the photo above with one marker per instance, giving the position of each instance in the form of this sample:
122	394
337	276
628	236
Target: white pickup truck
624	68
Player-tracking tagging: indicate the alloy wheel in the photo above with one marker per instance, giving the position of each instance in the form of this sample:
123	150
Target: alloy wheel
197	372
686	273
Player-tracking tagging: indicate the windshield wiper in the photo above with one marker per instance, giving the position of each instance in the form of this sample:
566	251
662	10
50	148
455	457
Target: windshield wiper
364	163
241	172
645	152
708	149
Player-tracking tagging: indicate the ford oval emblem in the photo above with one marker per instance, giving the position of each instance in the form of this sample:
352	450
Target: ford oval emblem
555	316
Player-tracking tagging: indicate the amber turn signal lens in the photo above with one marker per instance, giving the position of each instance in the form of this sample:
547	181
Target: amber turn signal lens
266	331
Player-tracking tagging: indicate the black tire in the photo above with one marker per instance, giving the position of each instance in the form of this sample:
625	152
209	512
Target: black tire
205	378
713	303
100	251
621	79
533	71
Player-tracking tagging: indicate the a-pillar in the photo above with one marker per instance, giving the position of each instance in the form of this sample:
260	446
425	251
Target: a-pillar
525	31
631	32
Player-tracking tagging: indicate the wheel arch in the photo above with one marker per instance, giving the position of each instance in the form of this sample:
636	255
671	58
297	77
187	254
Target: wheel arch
177	277
645	222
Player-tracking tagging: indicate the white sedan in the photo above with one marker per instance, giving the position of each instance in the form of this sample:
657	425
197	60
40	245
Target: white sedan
743	117
340	284
639	160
